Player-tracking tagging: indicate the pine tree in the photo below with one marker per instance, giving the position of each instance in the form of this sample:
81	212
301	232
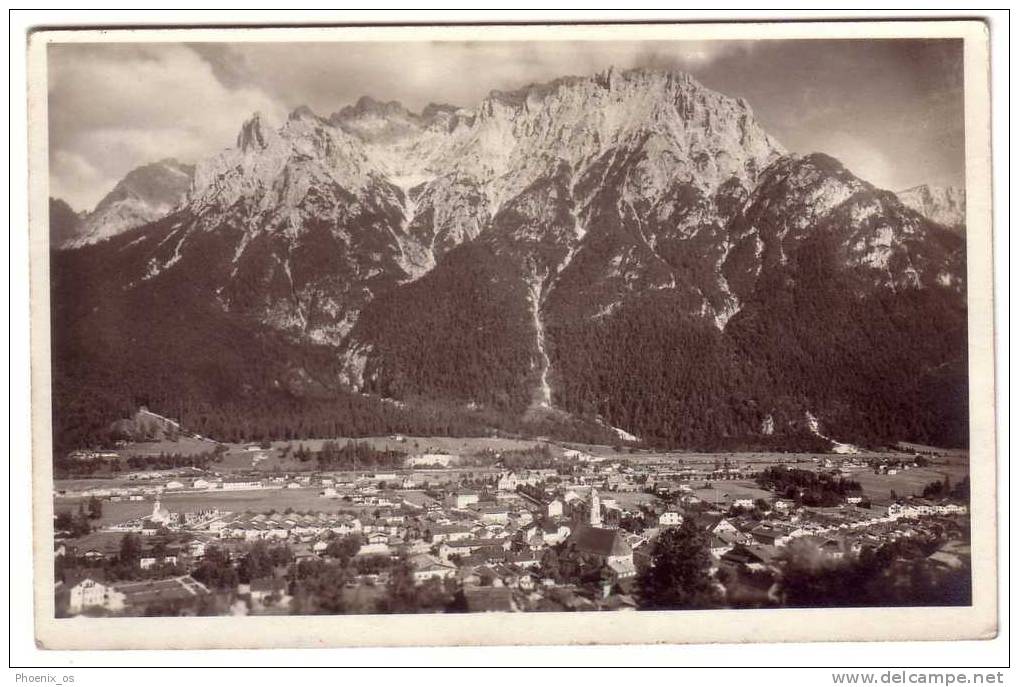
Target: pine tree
679	576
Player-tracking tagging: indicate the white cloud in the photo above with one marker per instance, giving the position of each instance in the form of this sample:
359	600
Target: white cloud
113	108
862	159
327	76
74	179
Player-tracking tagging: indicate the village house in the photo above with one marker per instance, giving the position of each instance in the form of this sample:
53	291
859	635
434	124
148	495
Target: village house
716	524
539	535
430	460
426	566
151	558
89	593
461	500
508	482
456	532
670	518
753	558
491	513
133	596
240	484
607	546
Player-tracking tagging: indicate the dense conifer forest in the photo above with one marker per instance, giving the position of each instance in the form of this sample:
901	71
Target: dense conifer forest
875	365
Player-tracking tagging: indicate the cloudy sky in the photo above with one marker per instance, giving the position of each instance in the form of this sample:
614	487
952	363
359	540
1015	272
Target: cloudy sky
891	110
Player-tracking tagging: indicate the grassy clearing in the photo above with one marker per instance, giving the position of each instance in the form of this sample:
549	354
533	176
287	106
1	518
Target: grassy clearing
905	483
245	457
186	446
629	499
733	490
234	501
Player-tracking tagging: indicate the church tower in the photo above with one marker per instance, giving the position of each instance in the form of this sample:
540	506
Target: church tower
159	514
595	520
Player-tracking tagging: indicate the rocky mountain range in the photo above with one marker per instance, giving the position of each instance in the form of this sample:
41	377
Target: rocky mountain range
945	205
147	193
630	248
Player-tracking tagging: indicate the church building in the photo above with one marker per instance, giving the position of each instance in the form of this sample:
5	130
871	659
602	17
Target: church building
607	545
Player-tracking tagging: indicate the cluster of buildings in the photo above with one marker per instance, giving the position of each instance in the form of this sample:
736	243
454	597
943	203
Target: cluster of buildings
117	597
491	535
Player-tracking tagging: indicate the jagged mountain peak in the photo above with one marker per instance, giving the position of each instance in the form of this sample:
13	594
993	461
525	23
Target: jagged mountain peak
303	112
145	194
945	205
368	105
614	183
806	199
255	133
607	245
432	109
432	180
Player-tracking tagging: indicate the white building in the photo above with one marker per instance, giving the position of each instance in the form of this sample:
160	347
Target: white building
670	518
428	459
91	594
464	499
427	566
241	484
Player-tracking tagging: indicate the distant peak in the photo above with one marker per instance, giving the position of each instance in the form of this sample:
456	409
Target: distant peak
432	109
366	105
612	76
930	190
303	112
610	79
174	165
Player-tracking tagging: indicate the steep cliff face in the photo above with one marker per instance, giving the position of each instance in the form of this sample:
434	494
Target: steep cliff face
619	246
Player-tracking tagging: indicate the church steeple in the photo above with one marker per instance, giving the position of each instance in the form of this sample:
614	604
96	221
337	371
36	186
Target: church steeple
595	520
159	514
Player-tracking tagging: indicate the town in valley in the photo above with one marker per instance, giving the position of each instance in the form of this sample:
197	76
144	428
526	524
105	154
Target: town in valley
186	525
597	325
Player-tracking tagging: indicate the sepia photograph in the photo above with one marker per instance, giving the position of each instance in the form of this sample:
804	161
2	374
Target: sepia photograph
523	329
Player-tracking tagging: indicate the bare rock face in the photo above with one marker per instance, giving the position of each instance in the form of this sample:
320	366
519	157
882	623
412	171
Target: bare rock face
146	194
467	254
945	205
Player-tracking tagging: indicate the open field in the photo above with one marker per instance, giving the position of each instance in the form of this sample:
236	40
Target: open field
731	489
243	457
413	445
234	501
249	456
629	499
187	446
905	483
702	459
